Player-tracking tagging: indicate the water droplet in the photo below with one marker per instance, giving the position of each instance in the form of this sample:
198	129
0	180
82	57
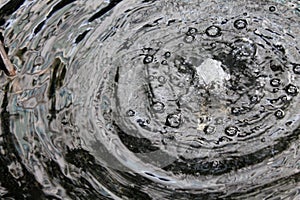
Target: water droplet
161	79
158	107
189	39
296	69
167	54
231	131
272	8
240	24
291	90
173	120
279	114
148	59
209	129
130	113
213	31
275	82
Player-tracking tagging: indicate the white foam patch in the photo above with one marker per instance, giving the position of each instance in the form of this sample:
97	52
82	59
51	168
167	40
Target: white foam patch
210	71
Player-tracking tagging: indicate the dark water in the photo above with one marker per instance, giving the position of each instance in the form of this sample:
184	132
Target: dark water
150	99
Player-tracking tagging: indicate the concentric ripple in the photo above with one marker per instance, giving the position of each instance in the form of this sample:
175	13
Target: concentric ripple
151	100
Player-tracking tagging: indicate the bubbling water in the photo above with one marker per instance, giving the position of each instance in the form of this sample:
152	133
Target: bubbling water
151	100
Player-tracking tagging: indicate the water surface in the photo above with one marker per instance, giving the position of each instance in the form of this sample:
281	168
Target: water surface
150	99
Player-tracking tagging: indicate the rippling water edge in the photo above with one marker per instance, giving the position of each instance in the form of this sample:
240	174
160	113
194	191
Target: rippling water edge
190	99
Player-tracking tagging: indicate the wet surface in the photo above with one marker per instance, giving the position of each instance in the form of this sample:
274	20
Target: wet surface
150	100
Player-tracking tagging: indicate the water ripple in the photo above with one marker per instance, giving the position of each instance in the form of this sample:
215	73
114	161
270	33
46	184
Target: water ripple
150	100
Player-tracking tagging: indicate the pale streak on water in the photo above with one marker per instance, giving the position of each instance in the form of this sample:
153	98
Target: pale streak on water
150	99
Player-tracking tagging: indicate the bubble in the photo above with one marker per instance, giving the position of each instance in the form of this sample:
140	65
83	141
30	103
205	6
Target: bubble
240	24
275	67
296	69
275	82
161	79
280	48
151	78
192	31
173	120
148	59
236	111
213	31
158	107
291	90
209	129
284	99
279	114
130	113
141	122
272	8
231	131
167	54
39	60
164	62
189	39
254	99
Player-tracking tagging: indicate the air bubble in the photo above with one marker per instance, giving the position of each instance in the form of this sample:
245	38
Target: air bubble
280	48
291	90
39	61
275	82
240	24
167	54
130	113
142	122
231	131
173	120
192	31
161	79
164	62
236	111
209	129
158	107
275	67
148	59
151	78
296	69
213	31
189	39
279	114
254	99
272	8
